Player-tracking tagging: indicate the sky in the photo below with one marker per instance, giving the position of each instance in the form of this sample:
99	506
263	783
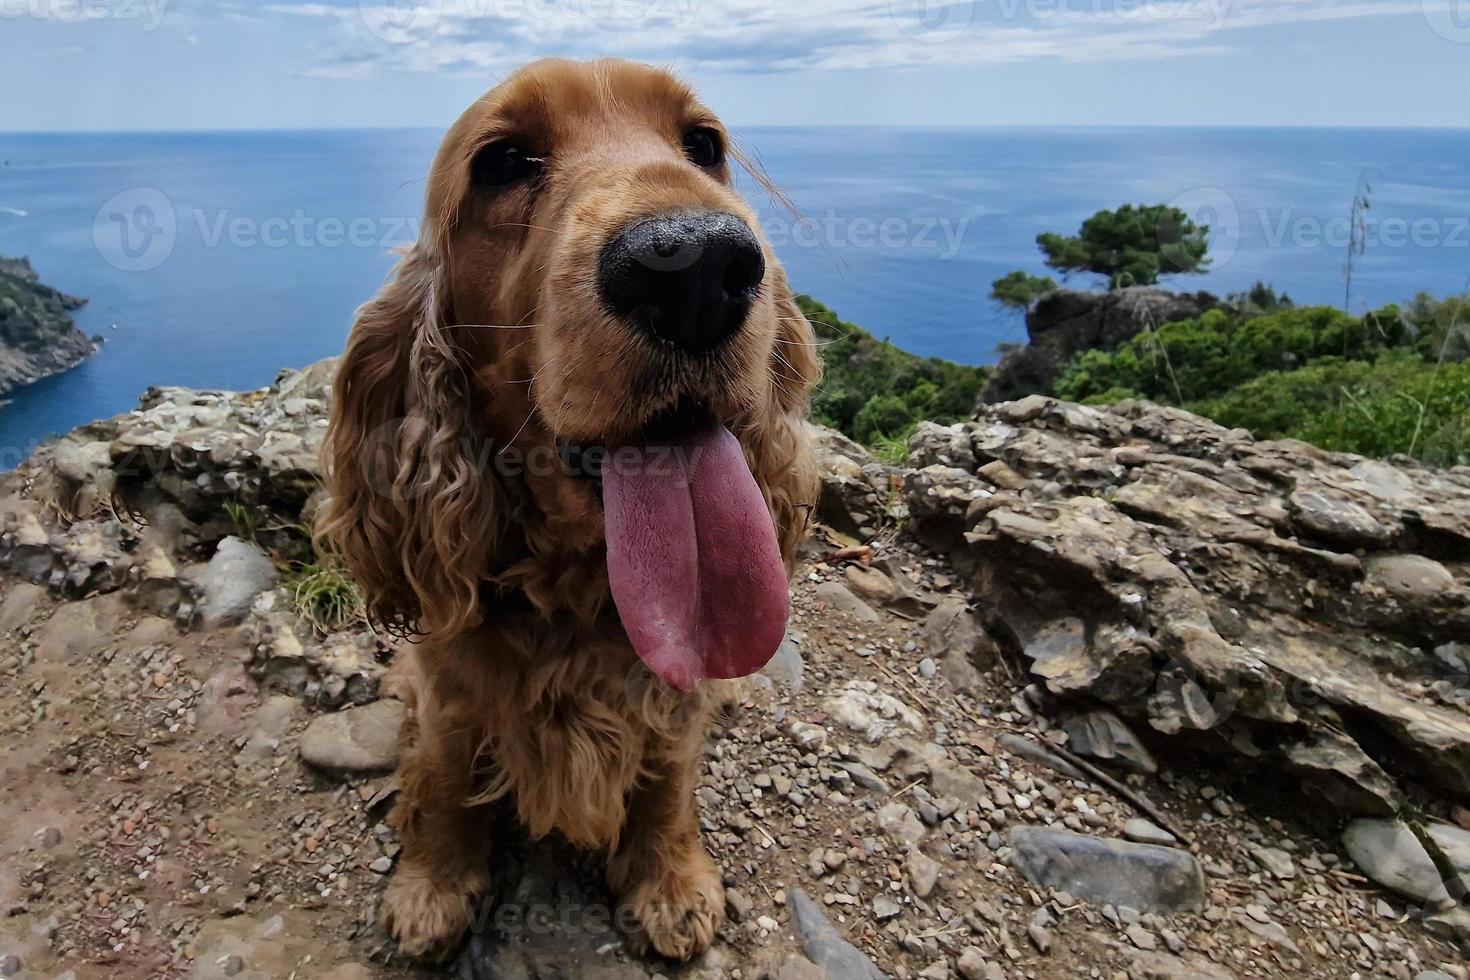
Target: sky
238	64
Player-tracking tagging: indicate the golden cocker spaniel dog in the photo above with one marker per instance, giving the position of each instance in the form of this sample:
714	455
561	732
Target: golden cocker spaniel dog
567	452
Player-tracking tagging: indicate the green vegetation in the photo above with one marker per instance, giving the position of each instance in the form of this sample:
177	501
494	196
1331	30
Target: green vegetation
1394	381
322	592
1131	246
1020	290
324	596
32	316
1194	359
877	393
1398	403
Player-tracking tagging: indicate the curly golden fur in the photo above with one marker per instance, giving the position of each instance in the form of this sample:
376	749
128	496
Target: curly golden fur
490	343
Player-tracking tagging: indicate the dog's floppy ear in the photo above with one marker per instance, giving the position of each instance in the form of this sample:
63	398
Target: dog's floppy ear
782	460
412	509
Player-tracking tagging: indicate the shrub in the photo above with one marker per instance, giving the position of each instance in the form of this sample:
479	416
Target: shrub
1197	359
872	390
1398	403
1020	290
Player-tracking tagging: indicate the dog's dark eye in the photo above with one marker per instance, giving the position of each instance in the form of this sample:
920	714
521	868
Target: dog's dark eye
704	147
503	163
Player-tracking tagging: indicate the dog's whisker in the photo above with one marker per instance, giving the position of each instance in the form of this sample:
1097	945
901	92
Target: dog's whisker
801	343
495	326
530	413
522	224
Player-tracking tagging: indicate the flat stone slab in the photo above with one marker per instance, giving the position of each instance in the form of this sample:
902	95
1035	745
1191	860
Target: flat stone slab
1107	871
1388	852
825	946
357	740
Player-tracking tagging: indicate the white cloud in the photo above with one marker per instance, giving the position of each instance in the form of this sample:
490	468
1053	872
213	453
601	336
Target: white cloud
763	36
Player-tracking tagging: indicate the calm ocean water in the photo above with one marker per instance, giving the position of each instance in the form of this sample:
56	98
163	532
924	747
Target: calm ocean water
217	259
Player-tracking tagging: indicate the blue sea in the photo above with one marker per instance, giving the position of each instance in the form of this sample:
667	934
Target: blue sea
216	259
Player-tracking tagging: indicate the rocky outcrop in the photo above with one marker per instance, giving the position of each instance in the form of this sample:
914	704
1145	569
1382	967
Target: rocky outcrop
1306	611
1066	322
37	335
191	467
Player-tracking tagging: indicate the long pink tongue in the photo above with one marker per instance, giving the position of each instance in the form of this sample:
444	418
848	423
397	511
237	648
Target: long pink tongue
692	558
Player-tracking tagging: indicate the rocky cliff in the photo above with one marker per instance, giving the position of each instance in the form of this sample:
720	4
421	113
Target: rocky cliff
1072	692
37	335
1066	322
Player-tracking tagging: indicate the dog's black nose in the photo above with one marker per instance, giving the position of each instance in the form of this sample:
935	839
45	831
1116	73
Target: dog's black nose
687	277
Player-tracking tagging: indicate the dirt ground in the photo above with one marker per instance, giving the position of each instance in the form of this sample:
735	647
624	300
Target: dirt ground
156	821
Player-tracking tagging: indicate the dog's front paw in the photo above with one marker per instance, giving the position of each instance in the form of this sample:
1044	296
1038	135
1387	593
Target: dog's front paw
677	913
427	915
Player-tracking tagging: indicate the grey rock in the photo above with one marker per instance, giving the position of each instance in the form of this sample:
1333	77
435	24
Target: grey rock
1142	831
1410	578
1164	966
939	497
841	599
1141	937
943	445
1271	932
236	574
795	967
1038	753
1391	854
865	777
1101	734
1275	861
737	905
865	708
1337	520
954	639
901	824
1115	872
870	584
973	965
1453	925
786	667
885	908
355	740
923	873
824	946
1340	770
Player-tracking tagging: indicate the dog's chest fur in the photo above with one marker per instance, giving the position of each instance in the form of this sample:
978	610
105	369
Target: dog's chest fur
568	720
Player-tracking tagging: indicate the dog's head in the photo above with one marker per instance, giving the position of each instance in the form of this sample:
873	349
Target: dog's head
590	315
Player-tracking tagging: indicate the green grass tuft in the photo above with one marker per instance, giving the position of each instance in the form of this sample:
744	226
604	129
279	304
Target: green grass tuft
324	596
